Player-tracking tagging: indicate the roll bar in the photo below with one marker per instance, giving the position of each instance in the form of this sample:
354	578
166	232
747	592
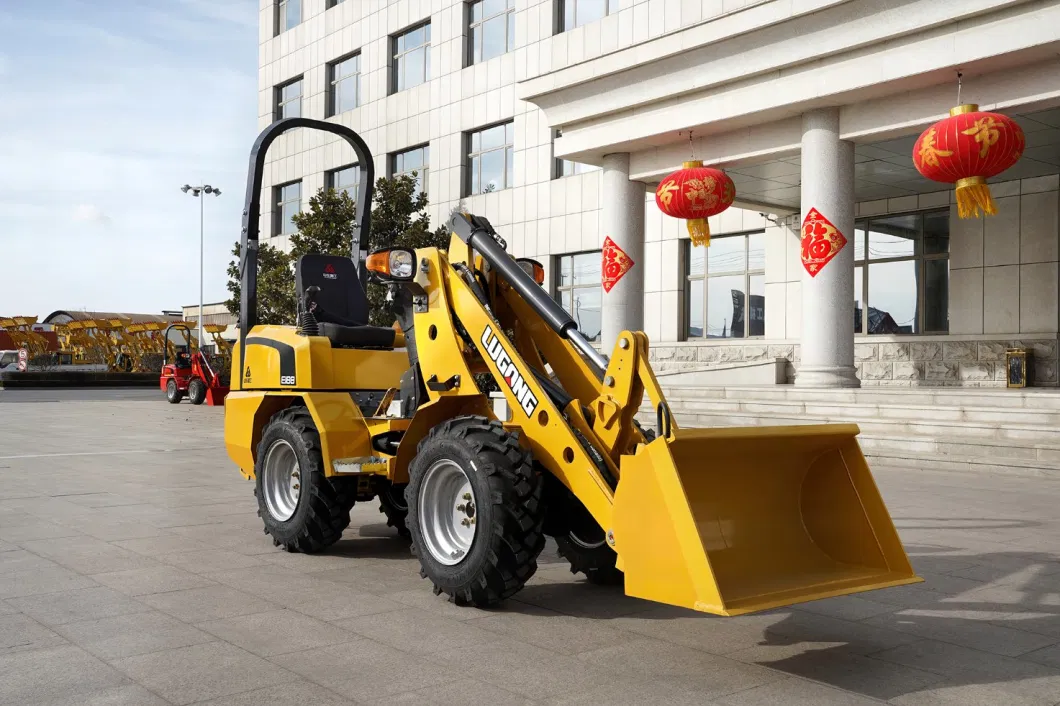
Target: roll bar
248	259
477	232
165	340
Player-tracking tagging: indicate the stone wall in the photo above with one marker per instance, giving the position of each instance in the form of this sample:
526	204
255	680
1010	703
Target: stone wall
899	363
950	363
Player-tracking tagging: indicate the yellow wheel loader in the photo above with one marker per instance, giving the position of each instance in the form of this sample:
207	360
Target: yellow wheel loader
333	411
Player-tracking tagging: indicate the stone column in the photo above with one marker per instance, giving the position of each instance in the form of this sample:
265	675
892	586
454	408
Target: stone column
622	220
827	340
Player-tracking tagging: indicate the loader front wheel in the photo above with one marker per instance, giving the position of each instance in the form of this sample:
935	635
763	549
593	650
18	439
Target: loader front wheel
475	511
302	509
579	539
173	393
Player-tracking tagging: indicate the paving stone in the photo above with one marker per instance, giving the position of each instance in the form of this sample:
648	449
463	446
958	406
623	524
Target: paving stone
1020	679
276	632
88	555
129	695
627	691
795	692
964	694
700	631
41	581
133	634
20	632
19	560
419	632
198	605
842	669
207	560
457	693
200	672
711	675
292	694
157	579
163	544
59	674
80	604
553	631
36	529
966	631
353	668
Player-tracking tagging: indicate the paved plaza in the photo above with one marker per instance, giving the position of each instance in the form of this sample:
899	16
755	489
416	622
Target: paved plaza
134	570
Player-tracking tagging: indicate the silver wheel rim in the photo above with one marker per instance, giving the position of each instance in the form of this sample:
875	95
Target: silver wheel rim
281	480
448	512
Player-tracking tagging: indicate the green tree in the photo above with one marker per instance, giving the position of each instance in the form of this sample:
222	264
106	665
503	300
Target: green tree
399	219
276	302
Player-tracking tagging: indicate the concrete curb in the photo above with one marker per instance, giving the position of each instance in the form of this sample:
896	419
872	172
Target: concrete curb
55	379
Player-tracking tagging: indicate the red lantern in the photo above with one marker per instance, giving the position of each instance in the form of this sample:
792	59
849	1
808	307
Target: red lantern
694	193
968	148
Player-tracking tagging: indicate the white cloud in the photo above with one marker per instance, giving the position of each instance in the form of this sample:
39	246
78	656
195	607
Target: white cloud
90	213
99	134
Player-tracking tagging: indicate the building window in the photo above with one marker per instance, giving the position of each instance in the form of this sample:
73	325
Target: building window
491	29
288	14
289	99
902	273
332	3
288	201
579	292
345	179
344	82
416	162
726	287
575	13
490	159
565	167
412	58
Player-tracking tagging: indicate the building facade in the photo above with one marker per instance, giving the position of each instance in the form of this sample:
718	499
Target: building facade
556	119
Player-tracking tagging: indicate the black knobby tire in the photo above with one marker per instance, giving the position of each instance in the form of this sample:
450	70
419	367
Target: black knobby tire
173	394
579	538
392	503
196	391
508	539
324	504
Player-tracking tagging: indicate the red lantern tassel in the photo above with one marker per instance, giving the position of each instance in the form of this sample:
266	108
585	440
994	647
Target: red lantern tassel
699	231
973	197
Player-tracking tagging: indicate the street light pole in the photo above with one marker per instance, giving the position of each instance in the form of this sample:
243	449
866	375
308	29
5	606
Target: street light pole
198	191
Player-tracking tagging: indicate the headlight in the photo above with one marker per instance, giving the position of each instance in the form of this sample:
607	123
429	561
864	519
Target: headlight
402	263
392	264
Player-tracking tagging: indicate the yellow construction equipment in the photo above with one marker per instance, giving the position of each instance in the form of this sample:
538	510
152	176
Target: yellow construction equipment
331	411
20	330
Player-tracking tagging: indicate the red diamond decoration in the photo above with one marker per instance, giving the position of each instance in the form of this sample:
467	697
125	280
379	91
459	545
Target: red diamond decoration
616	263
821	241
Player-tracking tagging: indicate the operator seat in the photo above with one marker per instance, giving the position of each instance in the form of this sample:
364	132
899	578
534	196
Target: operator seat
329	288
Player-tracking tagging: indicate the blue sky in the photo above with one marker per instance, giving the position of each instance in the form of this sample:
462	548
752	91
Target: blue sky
108	108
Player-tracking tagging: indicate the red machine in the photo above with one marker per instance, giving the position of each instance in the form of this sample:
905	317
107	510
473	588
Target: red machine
192	373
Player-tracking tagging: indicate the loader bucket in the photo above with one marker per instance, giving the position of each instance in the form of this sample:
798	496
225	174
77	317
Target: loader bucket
737	520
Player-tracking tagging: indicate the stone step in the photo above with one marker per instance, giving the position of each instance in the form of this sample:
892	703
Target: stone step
1029	398
1019	416
869	424
997	455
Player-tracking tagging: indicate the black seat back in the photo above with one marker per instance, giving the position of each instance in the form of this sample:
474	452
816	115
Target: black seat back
340	293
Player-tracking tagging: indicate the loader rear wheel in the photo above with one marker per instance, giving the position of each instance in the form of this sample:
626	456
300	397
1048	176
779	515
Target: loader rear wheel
196	391
475	511
302	509
392	503
173	394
